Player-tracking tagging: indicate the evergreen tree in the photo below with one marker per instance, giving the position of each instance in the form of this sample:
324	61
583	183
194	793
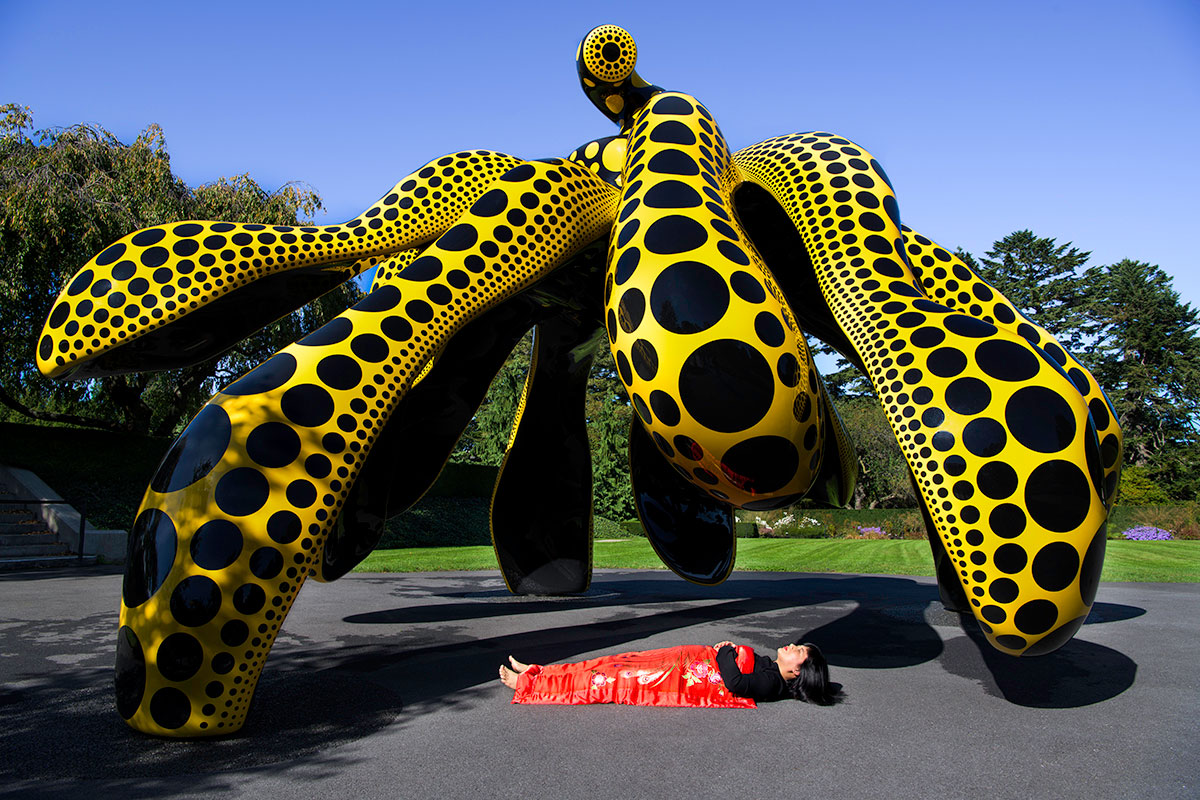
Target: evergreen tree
1146	355
1040	277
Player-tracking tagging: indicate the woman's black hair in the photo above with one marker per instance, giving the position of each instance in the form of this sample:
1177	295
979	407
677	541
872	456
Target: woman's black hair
812	685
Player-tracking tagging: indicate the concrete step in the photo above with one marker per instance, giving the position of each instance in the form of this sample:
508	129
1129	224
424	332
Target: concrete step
44	562
28	550
39	537
24	526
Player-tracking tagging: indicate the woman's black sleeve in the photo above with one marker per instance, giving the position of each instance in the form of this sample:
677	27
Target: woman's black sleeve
753	685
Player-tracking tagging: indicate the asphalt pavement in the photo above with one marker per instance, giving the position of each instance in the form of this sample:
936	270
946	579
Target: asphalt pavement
383	685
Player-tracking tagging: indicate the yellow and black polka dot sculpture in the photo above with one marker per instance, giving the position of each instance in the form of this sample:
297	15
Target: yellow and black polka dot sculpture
699	268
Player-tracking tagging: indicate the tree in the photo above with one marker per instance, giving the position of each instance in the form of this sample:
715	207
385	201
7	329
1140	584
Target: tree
1146	354
1040	277
65	195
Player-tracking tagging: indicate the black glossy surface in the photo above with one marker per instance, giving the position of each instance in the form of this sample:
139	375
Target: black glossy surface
542	506
692	533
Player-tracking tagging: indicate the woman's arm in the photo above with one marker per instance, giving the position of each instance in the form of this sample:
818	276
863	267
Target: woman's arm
755	685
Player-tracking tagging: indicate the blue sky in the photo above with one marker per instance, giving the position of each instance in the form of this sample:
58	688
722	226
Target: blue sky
1077	120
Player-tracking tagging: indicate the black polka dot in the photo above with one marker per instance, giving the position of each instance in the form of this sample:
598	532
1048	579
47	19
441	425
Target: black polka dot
1055	566
968	326
425	268
155	257
645	359
671	132
642	409
734	253
385	298
997	480
689	297
196	452
762	464
1007	520
307	405
241	491
1010	558
368	347
1040	419
491	204
460	237
273	444
301	493
1058	496
284	527
249	598
170	708
1006	361
1099	412
180	656
419	311
788	370
266	562
130	672
675	106
317	465
271	374
117	250
222	663
672	194
928	337
216	544
1003	590
665	408
1035	617
675	234
626	264
520	173
623	368
397	329
339	372
968	396
673	162
726	385
984	437
768	329
747	287
82	281
195	601
151	551
631	309
331	332
946	362
942	441
234	632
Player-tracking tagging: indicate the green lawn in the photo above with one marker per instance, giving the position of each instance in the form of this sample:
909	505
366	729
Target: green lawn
1155	562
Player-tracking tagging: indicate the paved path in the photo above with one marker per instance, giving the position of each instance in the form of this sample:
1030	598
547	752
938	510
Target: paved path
383	686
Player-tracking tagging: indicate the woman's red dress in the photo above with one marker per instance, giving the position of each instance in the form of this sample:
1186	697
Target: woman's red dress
674	676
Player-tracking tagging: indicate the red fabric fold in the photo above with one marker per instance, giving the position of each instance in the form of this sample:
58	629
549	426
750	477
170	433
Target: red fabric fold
685	676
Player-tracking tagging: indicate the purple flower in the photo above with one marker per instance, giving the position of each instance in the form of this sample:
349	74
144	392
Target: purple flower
1147	533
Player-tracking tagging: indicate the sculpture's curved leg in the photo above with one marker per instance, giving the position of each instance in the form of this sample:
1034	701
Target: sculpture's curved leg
949	281
692	533
1000	440
708	348
541	510
236	517
174	295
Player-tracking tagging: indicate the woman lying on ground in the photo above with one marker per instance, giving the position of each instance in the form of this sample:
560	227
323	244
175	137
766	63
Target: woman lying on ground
720	676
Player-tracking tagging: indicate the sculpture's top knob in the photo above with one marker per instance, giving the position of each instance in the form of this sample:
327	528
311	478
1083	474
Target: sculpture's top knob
605	61
608	53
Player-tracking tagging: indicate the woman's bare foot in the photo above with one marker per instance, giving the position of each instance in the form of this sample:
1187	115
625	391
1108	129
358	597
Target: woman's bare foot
518	667
508	677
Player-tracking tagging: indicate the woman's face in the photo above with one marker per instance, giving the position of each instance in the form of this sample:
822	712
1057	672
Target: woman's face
790	657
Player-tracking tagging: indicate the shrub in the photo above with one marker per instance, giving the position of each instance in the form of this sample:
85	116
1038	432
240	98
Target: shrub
1147	533
1182	520
1138	488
